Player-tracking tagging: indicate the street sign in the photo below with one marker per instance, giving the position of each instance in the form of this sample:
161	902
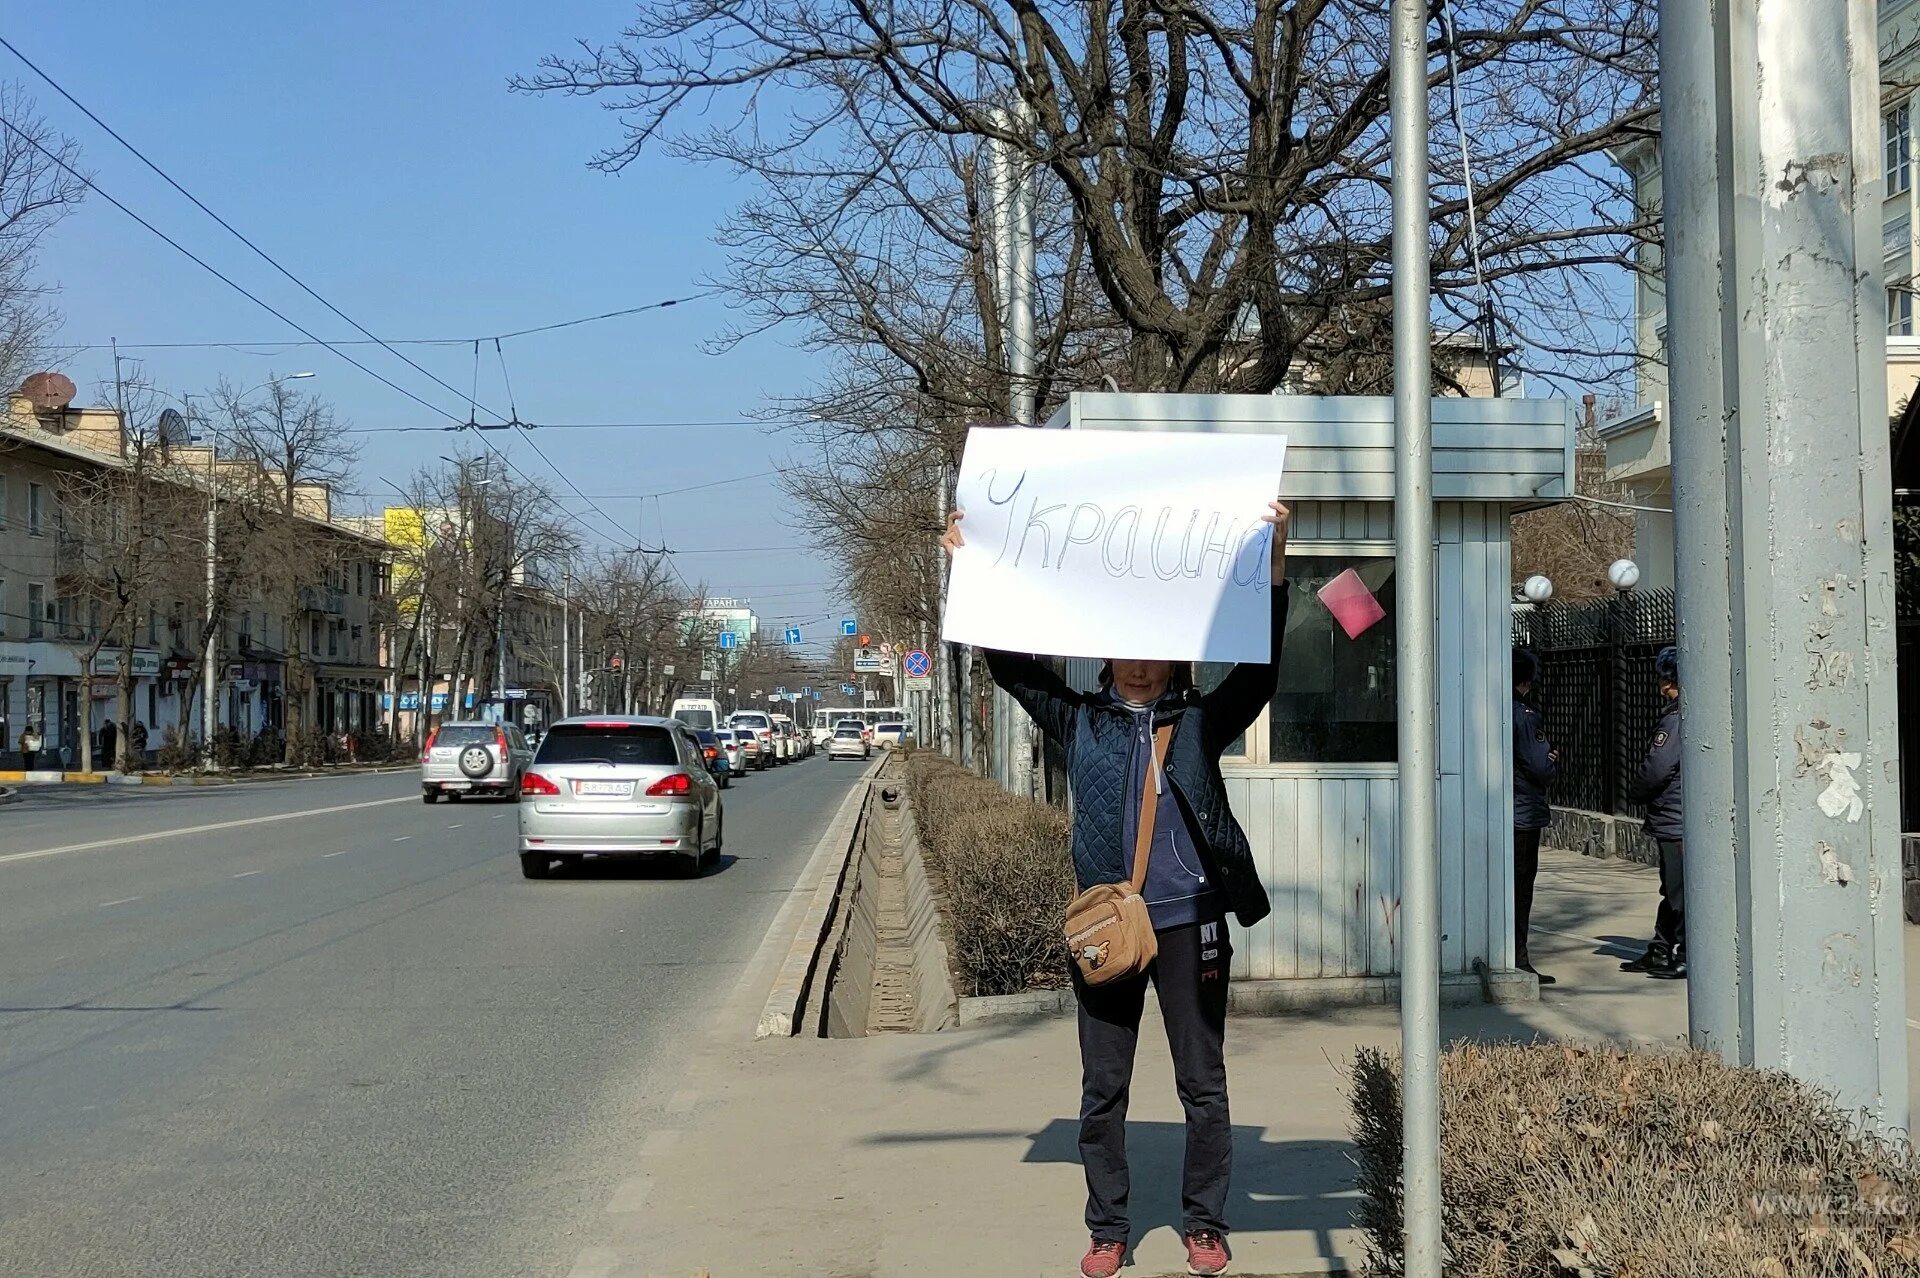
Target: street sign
818	696
707	674
781	691
917	683
667	669
849	627
848	690
793	635
728	639
918	664
806	692
869	662
516	694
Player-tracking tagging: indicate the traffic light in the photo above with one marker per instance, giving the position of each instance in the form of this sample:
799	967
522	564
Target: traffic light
866	640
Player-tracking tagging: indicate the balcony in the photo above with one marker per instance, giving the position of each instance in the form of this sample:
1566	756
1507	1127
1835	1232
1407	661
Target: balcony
323	599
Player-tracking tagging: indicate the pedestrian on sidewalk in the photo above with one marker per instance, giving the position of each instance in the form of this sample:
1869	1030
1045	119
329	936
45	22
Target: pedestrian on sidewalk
109	739
137	744
30	742
1535	765
1658	786
1199	866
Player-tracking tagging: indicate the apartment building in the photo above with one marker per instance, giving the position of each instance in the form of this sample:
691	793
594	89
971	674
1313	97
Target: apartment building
52	622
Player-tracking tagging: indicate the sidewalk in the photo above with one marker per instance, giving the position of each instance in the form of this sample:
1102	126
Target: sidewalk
955	1153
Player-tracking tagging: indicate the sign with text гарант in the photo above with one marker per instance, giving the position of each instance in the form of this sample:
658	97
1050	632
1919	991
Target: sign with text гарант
1135	544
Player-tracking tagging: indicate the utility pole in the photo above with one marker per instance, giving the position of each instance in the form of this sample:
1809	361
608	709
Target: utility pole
1416	689
566	639
1012	189
1770	151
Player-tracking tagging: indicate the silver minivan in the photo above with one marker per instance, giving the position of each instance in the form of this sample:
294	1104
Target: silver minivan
616	785
473	758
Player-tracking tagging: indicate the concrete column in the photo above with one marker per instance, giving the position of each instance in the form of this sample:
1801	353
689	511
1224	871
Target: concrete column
1776	319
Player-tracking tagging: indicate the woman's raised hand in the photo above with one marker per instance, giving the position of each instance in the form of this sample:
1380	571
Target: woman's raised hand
1280	517
951	540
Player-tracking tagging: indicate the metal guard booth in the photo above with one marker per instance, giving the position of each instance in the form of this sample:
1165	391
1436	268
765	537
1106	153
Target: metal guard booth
1314	781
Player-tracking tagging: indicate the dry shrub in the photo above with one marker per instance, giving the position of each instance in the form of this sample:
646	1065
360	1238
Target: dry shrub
1004	870
1570	1160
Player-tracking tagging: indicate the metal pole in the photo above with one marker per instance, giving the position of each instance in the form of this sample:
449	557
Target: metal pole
1777	292
1416	686
1692	57
209	676
566	641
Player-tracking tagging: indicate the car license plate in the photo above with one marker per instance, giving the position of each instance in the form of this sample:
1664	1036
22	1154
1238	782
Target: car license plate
454	785
619	788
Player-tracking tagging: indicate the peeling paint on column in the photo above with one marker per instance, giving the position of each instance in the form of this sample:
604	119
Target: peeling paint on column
1835	871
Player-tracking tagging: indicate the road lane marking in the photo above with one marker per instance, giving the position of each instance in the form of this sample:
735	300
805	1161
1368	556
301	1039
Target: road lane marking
246	874
403	838
325	855
209	828
129	900
456	825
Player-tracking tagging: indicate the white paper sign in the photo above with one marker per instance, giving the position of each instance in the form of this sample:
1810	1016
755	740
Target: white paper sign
1132	544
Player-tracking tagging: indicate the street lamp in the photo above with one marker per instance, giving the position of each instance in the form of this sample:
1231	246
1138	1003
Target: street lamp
210	682
1537	589
1624	574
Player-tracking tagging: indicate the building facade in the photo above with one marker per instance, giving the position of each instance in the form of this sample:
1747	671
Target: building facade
1639	451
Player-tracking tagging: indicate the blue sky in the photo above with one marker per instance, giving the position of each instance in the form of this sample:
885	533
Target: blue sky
374	149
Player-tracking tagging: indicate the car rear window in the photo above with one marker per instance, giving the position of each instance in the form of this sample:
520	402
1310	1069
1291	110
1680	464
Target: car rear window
891	727
636	743
464	734
724	734
848	730
751	721
698	719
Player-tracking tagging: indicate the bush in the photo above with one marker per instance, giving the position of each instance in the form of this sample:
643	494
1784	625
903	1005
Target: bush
1005	872
177	752
1569	1160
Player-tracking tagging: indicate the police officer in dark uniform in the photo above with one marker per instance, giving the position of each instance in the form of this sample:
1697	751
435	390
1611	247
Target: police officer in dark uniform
1535	764
1658	786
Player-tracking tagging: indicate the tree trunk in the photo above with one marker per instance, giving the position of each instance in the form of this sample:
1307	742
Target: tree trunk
123	738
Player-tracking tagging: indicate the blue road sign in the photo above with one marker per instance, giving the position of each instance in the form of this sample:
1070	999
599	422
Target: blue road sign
849	627
793	635
918	664
728	639
848	690
806	692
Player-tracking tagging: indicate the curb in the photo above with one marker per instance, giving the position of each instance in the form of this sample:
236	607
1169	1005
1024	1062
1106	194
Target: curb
54	777
821	882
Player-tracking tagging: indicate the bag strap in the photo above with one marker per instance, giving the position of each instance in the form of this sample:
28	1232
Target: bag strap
1149	807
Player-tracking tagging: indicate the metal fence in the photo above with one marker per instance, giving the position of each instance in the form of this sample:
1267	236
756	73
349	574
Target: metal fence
1597	691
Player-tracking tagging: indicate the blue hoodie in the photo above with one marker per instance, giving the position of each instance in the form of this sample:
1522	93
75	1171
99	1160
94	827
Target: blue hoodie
1177	892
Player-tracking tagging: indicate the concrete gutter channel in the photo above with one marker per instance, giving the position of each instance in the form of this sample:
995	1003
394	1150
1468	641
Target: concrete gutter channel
868	956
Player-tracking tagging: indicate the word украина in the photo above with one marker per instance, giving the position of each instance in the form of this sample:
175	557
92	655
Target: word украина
1126	541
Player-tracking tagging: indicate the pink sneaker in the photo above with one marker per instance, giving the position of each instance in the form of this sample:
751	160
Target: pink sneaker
1206	1253
1102	1259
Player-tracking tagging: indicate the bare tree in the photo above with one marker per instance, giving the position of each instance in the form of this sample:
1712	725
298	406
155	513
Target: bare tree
299	450
40	182
1225	160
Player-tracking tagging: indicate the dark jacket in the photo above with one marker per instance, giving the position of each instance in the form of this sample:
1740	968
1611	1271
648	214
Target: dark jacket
1096	734
1658	785
1533	769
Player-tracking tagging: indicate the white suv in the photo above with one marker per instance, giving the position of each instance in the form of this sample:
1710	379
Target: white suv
773	744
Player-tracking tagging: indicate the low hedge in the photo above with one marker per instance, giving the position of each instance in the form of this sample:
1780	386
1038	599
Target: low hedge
1594	1162
1004	870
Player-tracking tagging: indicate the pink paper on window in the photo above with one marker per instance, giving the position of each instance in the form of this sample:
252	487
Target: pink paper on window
1352	604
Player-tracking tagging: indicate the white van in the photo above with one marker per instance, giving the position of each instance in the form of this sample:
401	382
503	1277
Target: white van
702	714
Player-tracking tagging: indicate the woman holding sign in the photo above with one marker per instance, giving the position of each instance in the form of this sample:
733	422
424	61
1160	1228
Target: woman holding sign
1153	838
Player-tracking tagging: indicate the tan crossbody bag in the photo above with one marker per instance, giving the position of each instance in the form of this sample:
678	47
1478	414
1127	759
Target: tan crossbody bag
1108	929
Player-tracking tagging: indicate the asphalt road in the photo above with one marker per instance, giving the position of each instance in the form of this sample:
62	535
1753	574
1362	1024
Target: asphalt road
335	1032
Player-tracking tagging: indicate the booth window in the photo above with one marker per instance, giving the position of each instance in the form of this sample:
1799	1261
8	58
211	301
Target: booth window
1335	702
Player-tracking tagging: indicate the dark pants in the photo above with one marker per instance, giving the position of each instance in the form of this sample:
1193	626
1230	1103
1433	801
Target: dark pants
1670	923
27	758
1190	980
1526	868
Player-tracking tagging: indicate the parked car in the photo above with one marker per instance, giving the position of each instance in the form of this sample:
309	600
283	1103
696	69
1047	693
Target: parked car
702	714
761	726
735	746
716	756
473	758
619	786
799	745
890	733
848	742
